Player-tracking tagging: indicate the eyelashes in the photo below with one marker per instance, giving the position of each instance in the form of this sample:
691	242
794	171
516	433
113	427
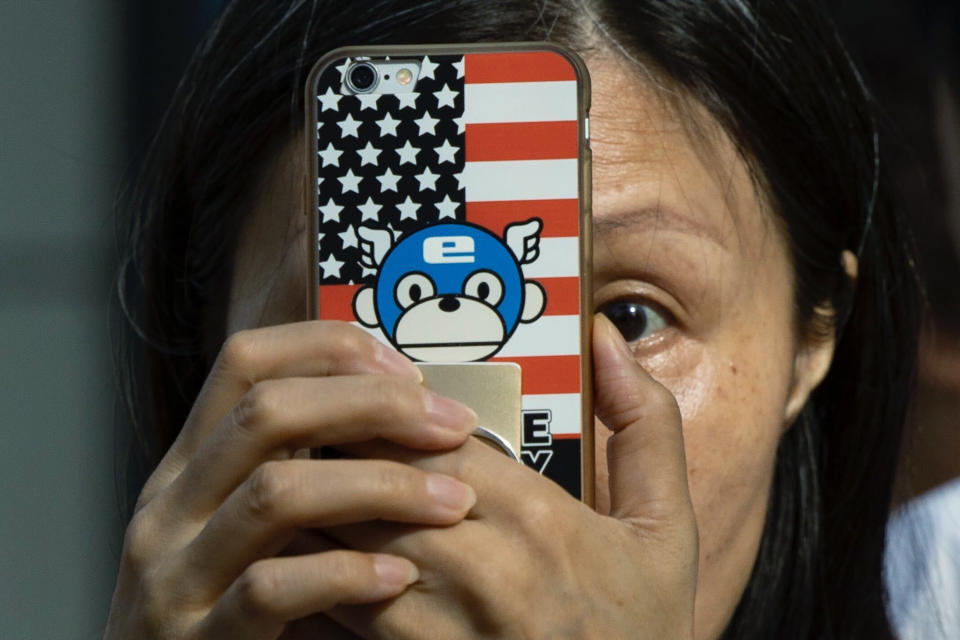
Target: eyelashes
636	319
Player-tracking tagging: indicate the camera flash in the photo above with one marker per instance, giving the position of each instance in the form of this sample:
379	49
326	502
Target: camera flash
404	77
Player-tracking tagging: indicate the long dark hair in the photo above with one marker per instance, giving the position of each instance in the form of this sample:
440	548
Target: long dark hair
777	78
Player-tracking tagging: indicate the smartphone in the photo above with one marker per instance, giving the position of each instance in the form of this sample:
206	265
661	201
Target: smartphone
449	202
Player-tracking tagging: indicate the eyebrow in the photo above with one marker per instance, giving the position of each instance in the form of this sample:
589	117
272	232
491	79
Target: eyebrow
656	218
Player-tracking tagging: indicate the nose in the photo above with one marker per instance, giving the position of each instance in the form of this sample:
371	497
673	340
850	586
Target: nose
449	304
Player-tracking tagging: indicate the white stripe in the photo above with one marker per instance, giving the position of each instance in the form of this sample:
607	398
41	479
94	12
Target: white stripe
547	336
520	102
558	259
564	409
520	180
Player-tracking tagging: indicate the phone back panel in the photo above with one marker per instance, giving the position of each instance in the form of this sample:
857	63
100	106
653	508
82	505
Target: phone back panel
452	224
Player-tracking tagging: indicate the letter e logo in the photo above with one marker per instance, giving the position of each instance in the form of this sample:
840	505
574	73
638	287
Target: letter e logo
448	250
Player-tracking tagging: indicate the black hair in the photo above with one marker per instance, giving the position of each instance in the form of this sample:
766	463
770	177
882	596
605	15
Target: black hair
773	74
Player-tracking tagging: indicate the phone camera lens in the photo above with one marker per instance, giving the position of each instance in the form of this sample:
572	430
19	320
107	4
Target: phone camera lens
362	77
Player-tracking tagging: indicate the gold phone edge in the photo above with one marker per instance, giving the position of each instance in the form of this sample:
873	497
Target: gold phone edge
587	443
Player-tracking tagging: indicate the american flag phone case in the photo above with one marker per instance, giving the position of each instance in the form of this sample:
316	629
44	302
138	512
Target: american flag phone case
451	220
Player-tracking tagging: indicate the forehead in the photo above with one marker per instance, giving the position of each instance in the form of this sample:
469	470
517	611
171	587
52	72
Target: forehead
658	154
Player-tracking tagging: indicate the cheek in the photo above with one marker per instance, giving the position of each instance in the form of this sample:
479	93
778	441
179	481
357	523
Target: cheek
732	411
732	421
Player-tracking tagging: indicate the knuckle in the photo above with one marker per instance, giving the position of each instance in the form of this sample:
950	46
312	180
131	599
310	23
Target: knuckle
257	587
345	573
351	342
269	489
259	407
238	351
343	347
538	515
389	479
138	542
400	398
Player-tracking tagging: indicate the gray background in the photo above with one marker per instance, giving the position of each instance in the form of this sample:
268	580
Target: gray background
60	168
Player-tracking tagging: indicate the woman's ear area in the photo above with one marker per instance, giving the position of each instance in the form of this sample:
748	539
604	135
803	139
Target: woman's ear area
815	352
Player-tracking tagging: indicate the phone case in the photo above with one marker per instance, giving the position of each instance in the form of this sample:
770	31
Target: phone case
453	223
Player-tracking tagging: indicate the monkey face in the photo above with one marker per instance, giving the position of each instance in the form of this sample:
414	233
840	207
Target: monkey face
449	293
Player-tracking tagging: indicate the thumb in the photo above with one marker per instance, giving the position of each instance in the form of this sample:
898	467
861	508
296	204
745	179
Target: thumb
645	455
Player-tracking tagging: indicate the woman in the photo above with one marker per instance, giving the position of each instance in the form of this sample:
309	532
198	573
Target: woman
753	404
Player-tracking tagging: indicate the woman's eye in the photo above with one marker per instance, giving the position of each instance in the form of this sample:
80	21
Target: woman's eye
634	320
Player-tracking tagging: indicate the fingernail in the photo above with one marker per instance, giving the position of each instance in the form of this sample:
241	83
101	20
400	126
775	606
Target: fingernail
450	493
450	414
395	362
394	571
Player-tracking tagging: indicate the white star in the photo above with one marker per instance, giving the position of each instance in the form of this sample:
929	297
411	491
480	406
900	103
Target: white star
408	153
331	211
427	180
343	68
461	180
369	209
447	207
369	154
427	124
350	182
348	238
461	125
331	267
348	127
445	152
446	96
459	67
388	181
388	126
408	100
330	155
368	100
408	209
427	68
330	100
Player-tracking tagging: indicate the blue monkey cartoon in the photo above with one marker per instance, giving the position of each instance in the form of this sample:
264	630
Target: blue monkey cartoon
450	292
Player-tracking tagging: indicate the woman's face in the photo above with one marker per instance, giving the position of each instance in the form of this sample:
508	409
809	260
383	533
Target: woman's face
687	255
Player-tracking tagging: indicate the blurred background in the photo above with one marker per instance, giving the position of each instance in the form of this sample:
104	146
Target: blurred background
84	85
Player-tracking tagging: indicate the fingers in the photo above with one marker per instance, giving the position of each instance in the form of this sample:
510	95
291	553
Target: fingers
498	479
305	349
277	590
645	455
292	414
259	518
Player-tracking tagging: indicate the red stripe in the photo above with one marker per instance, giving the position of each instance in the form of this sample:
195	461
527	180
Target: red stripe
563	296
535	66
566	436
547	374
521	141
335	301
561	218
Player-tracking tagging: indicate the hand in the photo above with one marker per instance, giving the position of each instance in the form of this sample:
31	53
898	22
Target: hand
530	561
200	557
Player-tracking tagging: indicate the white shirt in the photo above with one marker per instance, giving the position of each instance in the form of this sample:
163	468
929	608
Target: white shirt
922	565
